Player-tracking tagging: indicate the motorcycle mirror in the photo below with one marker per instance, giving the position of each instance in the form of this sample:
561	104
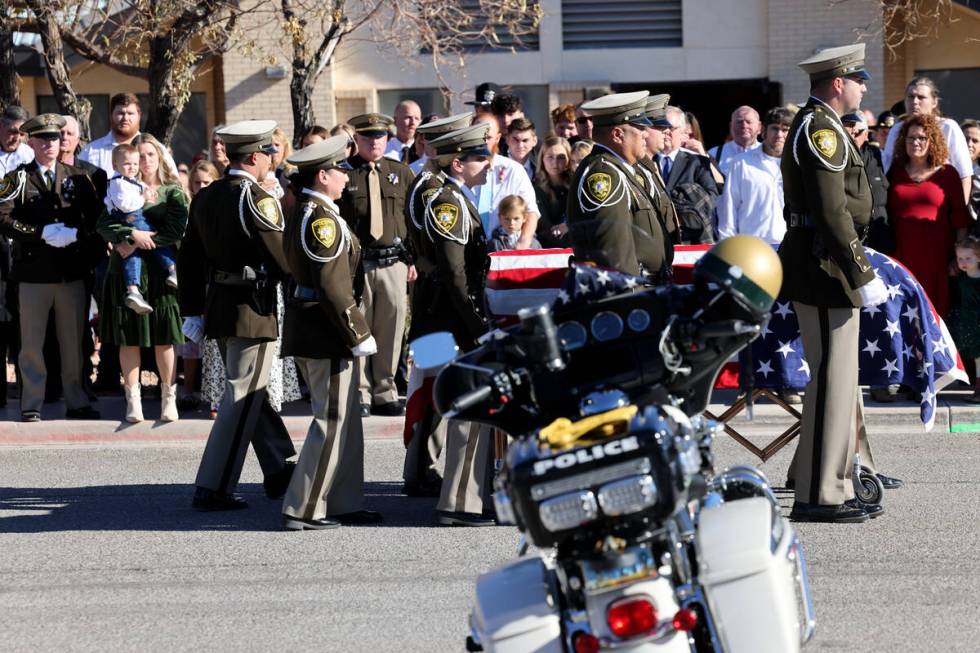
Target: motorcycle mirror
433	351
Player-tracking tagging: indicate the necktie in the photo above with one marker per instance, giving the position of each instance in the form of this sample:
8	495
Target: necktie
374	202
484	201
405	153
665	167
49	179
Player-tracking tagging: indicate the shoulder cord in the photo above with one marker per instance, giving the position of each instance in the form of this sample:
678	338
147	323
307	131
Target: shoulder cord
21	178
804	125
422	178
614	198
430	220
342	246
246	196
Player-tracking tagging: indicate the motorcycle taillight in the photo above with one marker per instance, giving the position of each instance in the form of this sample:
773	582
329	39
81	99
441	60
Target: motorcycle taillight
632	616
586	643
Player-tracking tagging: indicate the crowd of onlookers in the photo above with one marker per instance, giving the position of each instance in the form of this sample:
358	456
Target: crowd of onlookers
923	170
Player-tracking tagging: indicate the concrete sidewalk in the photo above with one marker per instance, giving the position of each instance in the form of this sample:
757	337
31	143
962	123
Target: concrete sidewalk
952	414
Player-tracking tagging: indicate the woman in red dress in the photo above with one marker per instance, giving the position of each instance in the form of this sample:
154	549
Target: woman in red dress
926	205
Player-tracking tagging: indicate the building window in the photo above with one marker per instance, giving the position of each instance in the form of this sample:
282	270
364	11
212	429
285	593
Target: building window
505	40
98	122
621	24
430	100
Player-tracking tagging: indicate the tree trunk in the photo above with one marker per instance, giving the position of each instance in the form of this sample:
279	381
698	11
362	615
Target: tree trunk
167	97
59	76
9	94
301	87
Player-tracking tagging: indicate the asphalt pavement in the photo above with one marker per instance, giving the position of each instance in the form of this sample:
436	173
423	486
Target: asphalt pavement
101	552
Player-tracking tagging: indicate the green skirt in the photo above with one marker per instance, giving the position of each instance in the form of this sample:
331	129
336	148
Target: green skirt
122	326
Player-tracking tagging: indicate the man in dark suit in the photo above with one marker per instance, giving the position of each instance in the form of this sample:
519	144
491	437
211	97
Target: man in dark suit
689	181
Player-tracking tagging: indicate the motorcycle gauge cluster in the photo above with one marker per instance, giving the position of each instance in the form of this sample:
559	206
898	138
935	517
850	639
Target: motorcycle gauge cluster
607	326
572	335
638	320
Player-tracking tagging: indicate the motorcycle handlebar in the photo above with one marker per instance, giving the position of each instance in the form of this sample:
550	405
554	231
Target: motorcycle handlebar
470	399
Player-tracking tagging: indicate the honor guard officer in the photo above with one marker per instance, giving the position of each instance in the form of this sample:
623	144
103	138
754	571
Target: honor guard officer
49	210
608	193
327	334
828	278
428	437
451	299
230	264
656	110
374	206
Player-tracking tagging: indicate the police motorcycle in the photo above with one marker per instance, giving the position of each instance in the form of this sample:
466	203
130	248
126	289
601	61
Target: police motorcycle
640	545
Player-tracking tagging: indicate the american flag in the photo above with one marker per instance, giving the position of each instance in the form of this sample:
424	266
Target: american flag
902	341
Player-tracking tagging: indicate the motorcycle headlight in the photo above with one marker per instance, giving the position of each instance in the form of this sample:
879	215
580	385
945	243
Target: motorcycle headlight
568	511
629	495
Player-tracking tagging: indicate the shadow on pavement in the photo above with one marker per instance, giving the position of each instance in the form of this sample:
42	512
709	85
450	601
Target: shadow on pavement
168	508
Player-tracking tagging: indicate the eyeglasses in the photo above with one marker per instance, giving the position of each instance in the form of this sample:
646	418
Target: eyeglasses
917	139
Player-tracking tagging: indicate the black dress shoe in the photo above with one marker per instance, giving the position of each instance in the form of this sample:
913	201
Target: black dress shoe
418	490
446	518
359	518
890	483
85	412
392	409
275	485
30	416
844	513
874	510
297	524
365	410
206	500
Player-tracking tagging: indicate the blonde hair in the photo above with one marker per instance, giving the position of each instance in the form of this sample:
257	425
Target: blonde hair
206	167
512	204
165	175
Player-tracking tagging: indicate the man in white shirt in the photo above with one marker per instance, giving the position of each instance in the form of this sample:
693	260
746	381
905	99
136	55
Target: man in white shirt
124	121
521	141
752	202
506	177
408	116
744	128
13	151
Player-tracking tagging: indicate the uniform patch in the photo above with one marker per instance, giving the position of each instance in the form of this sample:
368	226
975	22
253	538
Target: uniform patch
269	208
325	231
446	216
600	185
826	141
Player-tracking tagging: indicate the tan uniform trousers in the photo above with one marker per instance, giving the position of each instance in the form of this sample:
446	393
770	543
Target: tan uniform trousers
466	482
329	476
385	306
70	311
831	406
864	445
244	416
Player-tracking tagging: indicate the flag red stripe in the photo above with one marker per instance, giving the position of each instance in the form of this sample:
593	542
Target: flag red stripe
538	278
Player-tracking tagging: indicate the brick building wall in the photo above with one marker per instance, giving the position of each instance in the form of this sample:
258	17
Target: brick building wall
798	28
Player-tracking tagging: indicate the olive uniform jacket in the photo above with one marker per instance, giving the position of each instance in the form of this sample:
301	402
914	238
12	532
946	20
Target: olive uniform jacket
828	199
324	257
395	178
657	188
27	206
450	297
429	181
611	197
233	224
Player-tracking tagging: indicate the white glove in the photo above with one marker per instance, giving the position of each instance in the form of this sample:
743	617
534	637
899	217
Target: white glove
366	348
51	234
873	293
68	236
193	328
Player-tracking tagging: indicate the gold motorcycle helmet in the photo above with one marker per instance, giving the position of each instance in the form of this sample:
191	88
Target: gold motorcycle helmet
747	268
